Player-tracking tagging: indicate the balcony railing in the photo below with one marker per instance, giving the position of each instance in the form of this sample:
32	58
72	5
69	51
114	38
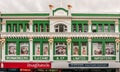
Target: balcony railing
58	34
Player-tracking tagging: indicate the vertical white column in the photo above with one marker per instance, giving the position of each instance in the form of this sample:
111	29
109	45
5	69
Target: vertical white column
116	26
89	25
117	50
30	25
4	26
51	48
89	49
3	52
31	48
69	48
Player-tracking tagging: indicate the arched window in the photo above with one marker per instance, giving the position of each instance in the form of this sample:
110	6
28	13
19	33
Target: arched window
60	28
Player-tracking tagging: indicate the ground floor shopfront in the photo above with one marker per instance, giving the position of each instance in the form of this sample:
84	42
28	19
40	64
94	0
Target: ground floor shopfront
58	70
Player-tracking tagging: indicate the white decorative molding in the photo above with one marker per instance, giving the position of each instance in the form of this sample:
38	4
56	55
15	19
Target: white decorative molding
59	34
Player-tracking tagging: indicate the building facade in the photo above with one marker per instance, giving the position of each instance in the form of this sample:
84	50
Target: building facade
60	39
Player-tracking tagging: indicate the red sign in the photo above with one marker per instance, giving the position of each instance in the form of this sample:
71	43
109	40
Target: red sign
0	65
27	65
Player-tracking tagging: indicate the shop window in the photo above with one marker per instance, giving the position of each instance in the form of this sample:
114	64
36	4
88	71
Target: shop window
110	50
99	27
112	28
97	48
11	48
45	49
60	28
24	48
37	49
60	48
84	48
75	48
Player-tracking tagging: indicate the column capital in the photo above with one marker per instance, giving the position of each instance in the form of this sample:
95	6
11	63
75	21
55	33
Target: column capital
117	40
116	22
69	40
31	22
89	22
50	40
89	39
3	22
31	38
3	40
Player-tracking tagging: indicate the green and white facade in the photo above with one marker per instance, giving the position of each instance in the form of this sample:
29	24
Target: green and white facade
61	37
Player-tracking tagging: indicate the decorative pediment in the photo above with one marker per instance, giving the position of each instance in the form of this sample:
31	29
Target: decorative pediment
60	12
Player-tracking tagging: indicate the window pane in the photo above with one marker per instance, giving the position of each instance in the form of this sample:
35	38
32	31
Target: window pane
47	27
112	28
27	27
45	49
21	28
37	48
60	48
24	48
36	27
106	28
84	48
80	27
15	27
9	27
109	48
97	48
94	28
11	48
41	28
85	28
100	28
75	48
60	28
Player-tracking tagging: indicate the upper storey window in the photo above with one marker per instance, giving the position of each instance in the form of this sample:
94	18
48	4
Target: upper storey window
103	27
17	26
79	26
40	26
60	28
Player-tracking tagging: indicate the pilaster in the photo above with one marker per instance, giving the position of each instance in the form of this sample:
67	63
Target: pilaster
30	25
116	25
89	49
3	26
51	48
69	48
31	48
3	52
117	49
89	25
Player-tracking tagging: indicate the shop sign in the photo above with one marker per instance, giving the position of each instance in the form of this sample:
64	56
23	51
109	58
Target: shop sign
25	65
79	58
103	58
41	57
0	65
60	58
89	65
17	57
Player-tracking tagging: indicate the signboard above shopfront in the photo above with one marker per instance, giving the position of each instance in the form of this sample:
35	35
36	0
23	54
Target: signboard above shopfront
27	65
